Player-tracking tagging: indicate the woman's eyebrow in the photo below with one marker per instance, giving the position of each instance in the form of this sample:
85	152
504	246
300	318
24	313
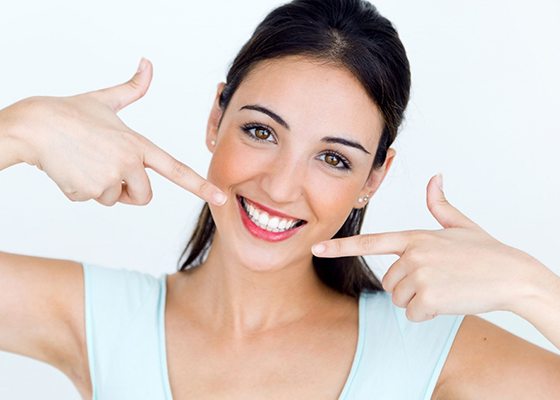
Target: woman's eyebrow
346	142
326	139
268	112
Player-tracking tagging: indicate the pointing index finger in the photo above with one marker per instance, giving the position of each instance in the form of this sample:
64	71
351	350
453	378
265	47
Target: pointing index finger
361	245
182	175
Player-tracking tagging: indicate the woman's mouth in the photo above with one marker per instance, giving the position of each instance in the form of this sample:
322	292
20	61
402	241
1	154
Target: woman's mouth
267	225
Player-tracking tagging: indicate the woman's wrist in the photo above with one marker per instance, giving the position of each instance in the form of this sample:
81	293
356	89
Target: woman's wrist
535	289
540	304
10	146
13	147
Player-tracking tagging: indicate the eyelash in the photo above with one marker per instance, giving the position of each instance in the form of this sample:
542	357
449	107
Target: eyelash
347	165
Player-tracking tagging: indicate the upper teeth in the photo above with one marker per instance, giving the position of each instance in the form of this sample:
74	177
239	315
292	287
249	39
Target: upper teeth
265	221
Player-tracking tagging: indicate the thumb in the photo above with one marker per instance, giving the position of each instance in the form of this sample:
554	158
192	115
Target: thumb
447	215
119	96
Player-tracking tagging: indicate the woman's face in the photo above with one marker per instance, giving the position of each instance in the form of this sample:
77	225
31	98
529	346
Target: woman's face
298	139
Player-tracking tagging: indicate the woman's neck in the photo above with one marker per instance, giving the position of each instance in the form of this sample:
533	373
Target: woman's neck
227	296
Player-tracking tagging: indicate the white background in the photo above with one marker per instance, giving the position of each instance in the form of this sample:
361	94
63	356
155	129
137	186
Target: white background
484	111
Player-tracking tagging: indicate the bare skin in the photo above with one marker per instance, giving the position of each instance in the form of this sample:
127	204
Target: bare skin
254	311
264	348
307	358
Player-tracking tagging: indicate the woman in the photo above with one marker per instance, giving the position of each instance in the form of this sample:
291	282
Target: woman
300	134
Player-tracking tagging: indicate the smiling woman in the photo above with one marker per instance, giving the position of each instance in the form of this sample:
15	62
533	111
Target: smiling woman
340	75
272	297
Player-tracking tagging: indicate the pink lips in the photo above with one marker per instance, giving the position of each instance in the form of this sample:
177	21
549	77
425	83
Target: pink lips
262	233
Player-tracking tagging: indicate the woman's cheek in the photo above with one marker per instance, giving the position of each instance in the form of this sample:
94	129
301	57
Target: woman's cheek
231	163
333	200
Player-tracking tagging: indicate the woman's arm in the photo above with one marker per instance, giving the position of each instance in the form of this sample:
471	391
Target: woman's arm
461	269
541	304
11	147
82	145
488	362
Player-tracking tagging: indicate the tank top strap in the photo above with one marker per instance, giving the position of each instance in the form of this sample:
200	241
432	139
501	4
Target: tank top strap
124	312
400	359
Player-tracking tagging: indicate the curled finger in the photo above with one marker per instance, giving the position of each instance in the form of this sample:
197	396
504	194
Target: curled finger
110	196
137	189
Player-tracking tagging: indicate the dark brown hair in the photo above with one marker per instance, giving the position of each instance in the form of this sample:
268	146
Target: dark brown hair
347	33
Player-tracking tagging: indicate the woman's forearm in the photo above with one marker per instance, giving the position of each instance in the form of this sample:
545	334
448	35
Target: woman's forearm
541	303
11	147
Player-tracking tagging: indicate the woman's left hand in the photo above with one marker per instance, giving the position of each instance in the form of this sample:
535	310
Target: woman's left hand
460	269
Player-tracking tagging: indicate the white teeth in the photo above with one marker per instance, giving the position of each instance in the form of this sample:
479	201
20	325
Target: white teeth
263	218
265	221
273	223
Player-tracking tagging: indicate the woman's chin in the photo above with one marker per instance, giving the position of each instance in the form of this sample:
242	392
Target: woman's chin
266	264
261	260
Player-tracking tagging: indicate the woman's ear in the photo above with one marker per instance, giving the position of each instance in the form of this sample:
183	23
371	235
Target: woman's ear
214	119
375	178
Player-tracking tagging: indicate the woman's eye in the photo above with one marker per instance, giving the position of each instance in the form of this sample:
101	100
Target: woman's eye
262	134
258	133
332	159
337	161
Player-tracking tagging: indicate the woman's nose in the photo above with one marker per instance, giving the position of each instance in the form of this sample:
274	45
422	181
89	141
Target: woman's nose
284	179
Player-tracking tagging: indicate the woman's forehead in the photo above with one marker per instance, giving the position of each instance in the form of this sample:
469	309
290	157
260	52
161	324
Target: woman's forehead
304	92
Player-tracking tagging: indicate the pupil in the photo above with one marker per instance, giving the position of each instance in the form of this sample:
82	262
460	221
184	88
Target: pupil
331	159
261	133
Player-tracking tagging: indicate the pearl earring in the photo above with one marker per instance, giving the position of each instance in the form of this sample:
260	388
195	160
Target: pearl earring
213	142
363	199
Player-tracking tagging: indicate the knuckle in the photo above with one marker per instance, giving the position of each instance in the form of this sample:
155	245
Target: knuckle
397	300
414	256
110	181
426	300
143	142
433	205
338	246
97	192
387	282
179	169
420	277
134	84
367	242
113	176
204	187
73	196
146	199
71	193
423	236
130	160
104	202
411	315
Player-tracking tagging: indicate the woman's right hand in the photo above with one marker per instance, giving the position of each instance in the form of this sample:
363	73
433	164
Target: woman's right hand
81	144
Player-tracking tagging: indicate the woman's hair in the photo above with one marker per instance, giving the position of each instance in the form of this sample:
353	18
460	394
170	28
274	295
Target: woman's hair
347	33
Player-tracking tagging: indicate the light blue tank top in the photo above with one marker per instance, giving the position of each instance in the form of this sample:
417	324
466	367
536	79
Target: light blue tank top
395	359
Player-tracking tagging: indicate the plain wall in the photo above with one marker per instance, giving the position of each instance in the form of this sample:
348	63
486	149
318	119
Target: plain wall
484	111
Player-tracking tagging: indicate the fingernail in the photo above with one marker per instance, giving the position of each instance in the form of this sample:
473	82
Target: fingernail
142	65
318	248
439	181
219	198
